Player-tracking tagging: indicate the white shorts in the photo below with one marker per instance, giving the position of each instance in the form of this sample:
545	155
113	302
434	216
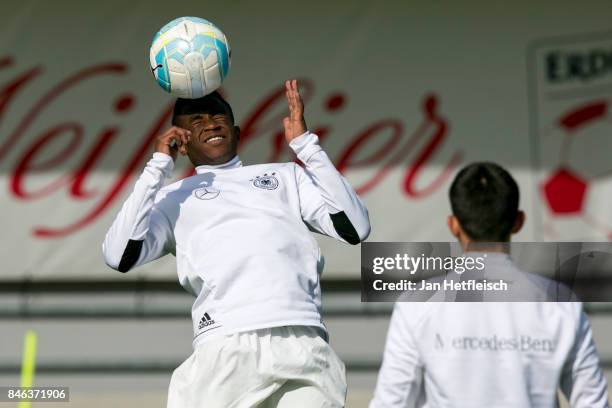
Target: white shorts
277	367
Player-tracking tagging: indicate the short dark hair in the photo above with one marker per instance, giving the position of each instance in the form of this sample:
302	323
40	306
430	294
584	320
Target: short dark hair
484	197
211	103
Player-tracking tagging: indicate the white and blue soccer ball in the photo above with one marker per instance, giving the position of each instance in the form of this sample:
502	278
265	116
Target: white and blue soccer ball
190	57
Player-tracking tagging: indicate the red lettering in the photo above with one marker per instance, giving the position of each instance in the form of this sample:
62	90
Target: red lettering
27	162
6	62
383	140
94	155
256	122
123	177
440	132
54	93
374	130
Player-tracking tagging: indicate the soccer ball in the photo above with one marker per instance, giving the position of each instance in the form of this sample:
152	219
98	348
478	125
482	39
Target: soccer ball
190	57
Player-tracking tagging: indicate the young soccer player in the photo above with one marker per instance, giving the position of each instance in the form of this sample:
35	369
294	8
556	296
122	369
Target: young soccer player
241	239
497	354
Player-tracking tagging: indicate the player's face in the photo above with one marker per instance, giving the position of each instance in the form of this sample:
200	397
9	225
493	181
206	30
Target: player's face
214	138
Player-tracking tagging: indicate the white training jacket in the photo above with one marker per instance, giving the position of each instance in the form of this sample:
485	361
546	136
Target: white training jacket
494	354
241	236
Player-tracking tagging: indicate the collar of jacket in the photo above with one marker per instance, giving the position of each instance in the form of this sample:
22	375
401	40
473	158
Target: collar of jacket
232	164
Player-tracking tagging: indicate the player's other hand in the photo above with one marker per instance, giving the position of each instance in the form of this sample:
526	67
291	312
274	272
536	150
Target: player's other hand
173	141
294	124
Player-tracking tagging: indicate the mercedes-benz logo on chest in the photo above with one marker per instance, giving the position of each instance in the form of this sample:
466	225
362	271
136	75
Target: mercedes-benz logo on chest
206	193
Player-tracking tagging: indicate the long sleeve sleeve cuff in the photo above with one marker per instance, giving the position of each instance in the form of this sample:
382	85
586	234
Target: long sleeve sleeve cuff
162	162
305	146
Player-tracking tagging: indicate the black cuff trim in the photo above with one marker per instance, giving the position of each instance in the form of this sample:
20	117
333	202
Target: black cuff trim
130	255
344	228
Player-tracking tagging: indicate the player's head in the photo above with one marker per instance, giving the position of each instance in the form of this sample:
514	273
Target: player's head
214	136
484	199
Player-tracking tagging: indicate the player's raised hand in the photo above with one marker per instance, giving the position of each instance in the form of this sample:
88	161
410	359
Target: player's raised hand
173	141
294	124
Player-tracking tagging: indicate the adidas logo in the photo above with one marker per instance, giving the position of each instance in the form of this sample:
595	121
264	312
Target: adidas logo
206	321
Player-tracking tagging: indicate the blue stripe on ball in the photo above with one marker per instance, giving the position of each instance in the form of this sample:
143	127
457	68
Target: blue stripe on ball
161	72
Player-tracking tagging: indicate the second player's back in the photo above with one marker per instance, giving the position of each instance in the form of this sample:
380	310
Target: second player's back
502	354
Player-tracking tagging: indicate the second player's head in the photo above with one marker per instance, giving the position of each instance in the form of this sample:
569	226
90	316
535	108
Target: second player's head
214	136
485	204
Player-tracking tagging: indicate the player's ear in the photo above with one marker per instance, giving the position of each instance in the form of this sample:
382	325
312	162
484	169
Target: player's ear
237	132
518	222
453	226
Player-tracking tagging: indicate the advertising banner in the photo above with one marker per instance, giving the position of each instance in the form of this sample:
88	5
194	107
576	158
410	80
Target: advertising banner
399	101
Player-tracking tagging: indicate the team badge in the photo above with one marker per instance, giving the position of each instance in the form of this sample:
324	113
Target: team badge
206	193
267	182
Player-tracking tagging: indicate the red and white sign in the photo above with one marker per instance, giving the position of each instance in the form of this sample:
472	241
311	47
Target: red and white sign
572	121
399	106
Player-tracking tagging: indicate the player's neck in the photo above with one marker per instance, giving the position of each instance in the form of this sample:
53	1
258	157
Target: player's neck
493	247
230	164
